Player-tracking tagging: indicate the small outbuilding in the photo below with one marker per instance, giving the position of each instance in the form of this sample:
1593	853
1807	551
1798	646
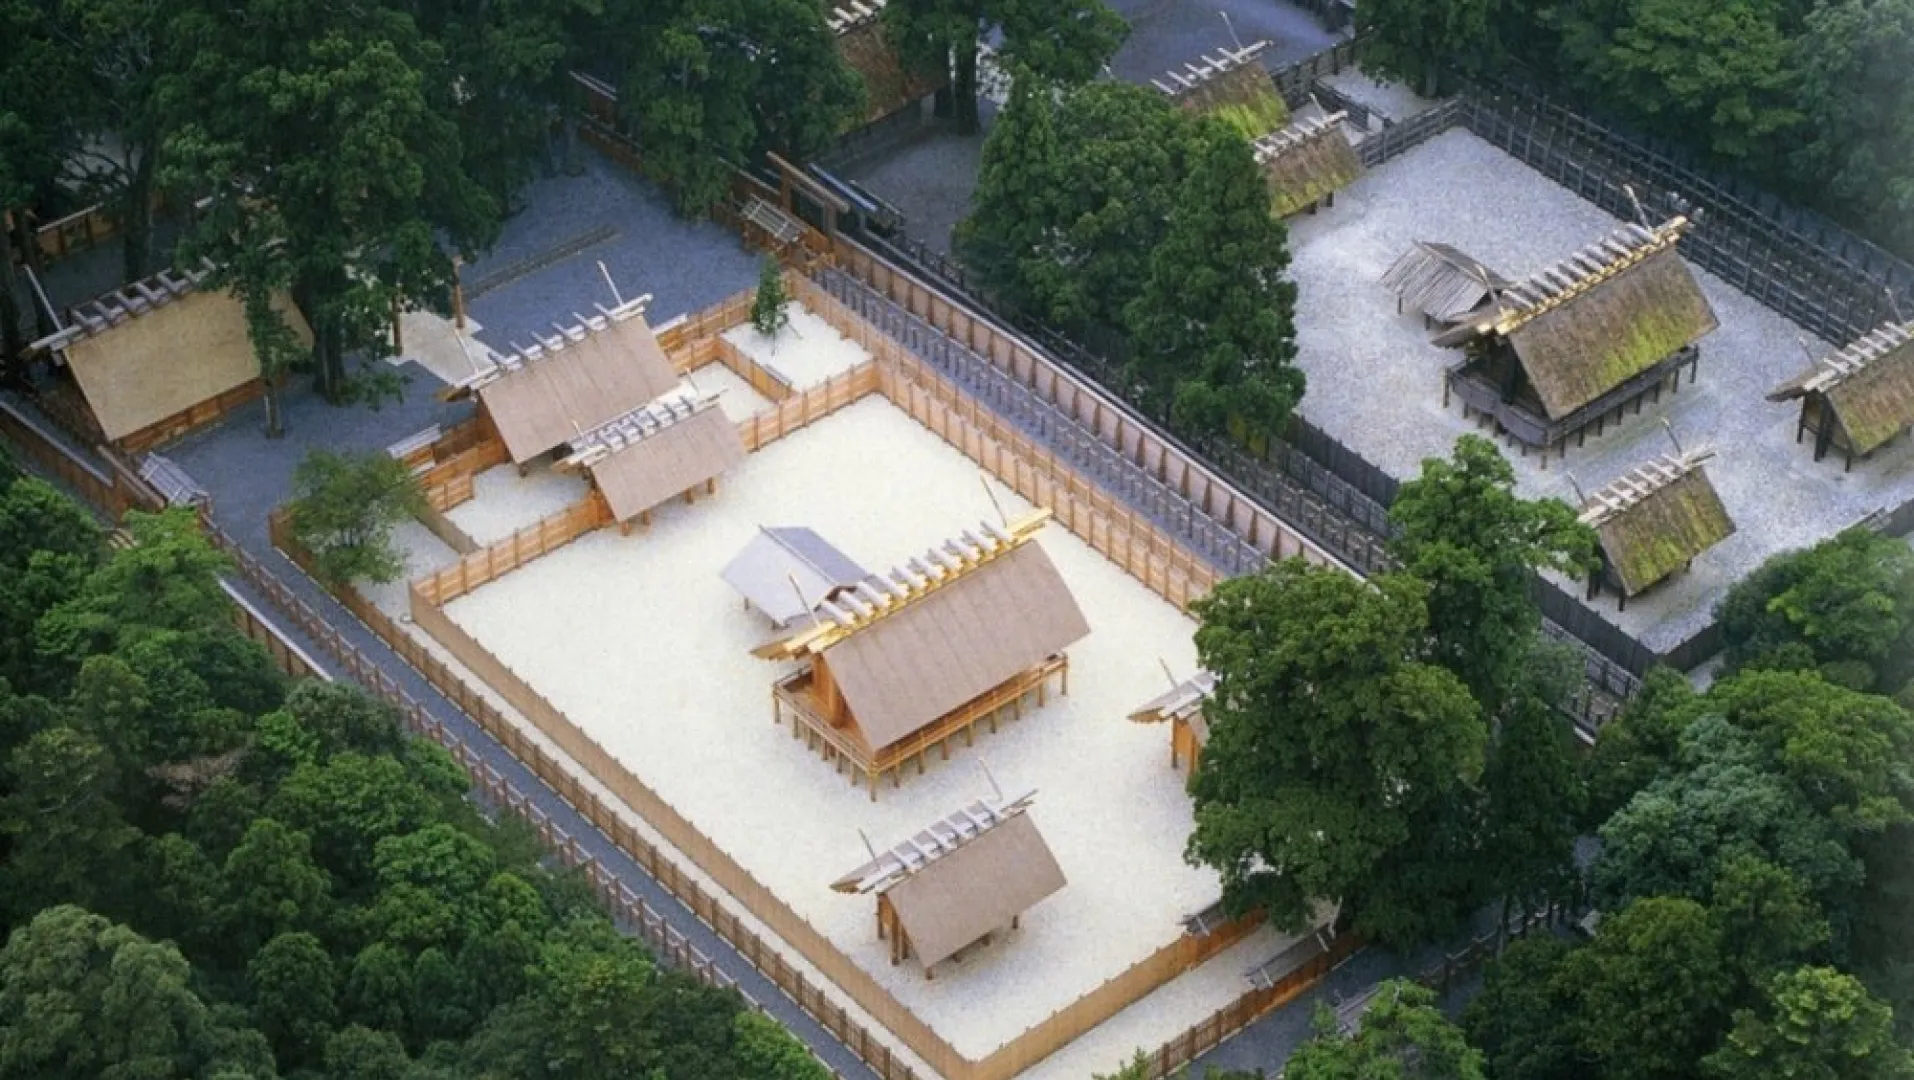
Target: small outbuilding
1306	163
786	571
673	446
589	374
1232	85
1573	346
1654	521
1444	283
1860	398
162	356
906	660
959	881
863	43
1182	705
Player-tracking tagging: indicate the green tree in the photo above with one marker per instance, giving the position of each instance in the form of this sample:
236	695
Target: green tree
1213	331
69	841
80	996
1767	917
324	138
1462	529
766	1051
431	886
273	887
1331	745
343	717
1856	61
348	804
294	996
1522	1019
1402	1030
1004	238
343	510
379	988
167	580
1532	799
358	1053
1415	40
48	546
1062	41
1652	990
767	305
1847	598
41	79
1816	1024
1641	744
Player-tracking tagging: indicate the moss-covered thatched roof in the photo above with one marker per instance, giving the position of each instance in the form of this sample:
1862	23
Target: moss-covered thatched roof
1652	521
1305	161
1869	384
1600	317
888	84
1231	85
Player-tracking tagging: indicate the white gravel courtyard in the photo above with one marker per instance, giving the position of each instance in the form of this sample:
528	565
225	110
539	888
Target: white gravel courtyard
805	353
738	399
641	644
503	502
1375	382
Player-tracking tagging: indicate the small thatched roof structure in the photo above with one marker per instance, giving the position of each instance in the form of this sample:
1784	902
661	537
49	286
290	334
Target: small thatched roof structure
964	877
588	375
1869	385
1306	161
907	647
1598	318
158	347
1443	282
1231	85
1656	518
655	452
1184	701
865	47
786	571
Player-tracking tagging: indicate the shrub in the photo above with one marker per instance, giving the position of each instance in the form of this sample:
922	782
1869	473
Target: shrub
343	510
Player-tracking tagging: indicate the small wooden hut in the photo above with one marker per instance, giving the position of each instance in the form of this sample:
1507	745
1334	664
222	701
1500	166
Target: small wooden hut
160	357
1182	705
1231	85
672	446
1573	346
1859	398
957	882
591	373
787	571
890	86
1444	283
907	660
1306	163
1654	521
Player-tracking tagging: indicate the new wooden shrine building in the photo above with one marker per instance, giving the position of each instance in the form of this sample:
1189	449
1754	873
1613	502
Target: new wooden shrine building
1653	521
1446	284
1858	399
1182	705
958	882
159	357
907	660
786	571
1231	85
558	391
672	446
1574	346
1306	163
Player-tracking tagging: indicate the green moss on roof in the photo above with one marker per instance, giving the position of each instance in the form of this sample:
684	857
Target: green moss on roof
1657	536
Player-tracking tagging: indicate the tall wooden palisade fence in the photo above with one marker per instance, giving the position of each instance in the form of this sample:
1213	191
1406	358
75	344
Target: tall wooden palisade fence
626	906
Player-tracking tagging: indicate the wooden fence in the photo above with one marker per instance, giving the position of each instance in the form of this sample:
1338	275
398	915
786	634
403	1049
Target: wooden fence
496	560
806	408
76	232
1208	1033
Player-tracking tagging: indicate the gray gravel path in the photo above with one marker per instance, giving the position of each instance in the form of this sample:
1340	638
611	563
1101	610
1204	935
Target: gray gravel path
1166	34
929	177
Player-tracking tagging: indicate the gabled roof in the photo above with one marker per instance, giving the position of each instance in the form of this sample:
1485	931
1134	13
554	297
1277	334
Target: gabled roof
907	647
1180	702
1443	282
158	347
1598	318
1305	161
786	571
587	375
865	47
976	888
1656	518
1231	85
1870	385
658	451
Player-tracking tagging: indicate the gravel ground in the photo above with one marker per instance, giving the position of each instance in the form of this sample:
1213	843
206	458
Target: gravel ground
1166	34
1462	190
1390	99
929	177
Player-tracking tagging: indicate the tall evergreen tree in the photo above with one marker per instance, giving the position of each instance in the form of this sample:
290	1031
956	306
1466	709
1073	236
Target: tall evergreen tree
1063	41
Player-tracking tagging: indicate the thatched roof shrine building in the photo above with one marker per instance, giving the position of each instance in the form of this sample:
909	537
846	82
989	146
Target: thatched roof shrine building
864	44
1182	706
787	571
1859	398
1231	85
1306	163
1570	347
583	378
1654	521
1444	283
958	881
161	356
904	661
670	447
